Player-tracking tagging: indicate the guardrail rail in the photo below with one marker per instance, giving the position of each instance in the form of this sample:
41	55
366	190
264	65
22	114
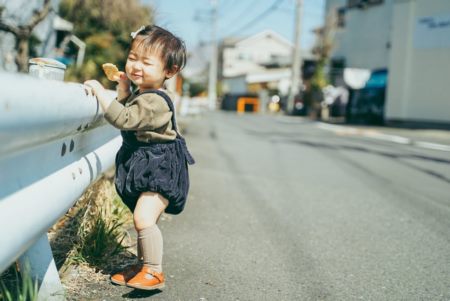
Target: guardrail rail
54	143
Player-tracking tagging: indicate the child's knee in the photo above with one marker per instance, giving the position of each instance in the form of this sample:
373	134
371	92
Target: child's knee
144	217
141	221
148	209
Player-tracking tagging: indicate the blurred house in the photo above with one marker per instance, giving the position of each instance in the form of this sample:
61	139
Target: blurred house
410	39
261	61
49	34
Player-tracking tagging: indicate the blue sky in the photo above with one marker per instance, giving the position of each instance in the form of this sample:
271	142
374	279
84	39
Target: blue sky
179	17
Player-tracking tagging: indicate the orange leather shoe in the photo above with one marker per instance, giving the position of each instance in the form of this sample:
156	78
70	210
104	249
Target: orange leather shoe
144	280
128	273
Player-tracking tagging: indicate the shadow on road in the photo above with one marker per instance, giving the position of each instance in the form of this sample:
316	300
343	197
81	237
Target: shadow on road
390	155
139	294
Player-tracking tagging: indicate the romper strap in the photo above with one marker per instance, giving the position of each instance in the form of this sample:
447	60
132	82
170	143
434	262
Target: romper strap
182	142
169	103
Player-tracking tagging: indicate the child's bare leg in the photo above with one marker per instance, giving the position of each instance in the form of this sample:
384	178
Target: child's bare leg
150	245
148	209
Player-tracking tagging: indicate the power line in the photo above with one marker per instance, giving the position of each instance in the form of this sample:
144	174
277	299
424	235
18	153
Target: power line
229	4
242	14
258	18
314	13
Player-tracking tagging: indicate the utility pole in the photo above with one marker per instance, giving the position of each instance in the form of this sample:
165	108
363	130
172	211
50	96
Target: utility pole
212	82
296	58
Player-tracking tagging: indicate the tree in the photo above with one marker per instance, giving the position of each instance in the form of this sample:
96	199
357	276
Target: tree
323	48
105	27
23	33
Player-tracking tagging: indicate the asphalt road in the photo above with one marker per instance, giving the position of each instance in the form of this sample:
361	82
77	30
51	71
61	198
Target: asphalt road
283	209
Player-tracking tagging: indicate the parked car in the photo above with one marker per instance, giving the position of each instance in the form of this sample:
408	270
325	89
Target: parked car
367	104
229	101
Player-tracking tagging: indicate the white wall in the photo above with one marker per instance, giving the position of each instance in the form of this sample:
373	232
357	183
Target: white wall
419	84
333	4
261	50
364	40
247	55
238	62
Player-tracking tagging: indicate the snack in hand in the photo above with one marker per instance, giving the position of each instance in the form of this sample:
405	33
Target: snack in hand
111	71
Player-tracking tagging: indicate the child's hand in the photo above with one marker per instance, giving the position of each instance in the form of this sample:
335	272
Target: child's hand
94	87
123	81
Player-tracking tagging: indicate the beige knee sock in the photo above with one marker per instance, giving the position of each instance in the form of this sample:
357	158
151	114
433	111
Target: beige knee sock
151	242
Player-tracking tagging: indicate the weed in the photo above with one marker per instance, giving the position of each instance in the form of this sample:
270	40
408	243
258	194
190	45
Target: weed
96	228
103	240
22	288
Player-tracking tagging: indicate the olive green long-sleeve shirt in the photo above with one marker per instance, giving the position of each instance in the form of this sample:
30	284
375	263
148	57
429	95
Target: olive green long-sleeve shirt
148	114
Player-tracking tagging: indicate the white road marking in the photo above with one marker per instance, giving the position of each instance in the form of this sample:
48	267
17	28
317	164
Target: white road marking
343	130
435	146
392	138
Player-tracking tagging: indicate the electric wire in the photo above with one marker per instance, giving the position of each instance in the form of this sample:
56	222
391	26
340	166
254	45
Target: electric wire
272	8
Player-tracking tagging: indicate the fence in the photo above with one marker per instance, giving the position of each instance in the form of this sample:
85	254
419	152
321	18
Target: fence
53	143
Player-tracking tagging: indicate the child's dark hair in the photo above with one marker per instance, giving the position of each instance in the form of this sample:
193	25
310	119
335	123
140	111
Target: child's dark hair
171	48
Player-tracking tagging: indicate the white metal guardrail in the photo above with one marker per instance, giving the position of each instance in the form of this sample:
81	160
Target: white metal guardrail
54	142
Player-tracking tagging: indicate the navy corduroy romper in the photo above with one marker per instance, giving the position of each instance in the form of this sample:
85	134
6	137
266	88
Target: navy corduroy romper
157	167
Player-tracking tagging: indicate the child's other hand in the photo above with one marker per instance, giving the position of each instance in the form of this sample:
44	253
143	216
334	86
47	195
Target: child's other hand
94	87
119	76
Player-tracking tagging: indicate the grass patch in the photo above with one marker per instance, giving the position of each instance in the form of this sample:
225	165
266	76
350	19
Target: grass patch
94	230
102	240
17	287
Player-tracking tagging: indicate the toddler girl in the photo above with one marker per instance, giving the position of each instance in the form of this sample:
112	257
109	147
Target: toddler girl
151	165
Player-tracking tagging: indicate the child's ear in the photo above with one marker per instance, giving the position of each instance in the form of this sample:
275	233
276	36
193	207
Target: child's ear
172	72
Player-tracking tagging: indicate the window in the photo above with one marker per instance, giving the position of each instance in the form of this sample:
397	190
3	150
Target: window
355	3
374	2
341	17
363	3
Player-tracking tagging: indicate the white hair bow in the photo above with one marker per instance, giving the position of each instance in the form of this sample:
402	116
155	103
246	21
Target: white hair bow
135	33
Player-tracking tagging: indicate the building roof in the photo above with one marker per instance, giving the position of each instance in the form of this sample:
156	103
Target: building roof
265	34
268	33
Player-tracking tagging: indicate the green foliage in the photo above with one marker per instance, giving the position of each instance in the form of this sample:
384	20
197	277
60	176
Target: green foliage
93	233
319	79
100	221
102	241
25	288
105	27
34	42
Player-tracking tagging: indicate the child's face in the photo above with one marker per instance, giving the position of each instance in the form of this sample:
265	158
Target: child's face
145	69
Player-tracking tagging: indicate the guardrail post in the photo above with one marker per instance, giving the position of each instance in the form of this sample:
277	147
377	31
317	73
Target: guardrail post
37	262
